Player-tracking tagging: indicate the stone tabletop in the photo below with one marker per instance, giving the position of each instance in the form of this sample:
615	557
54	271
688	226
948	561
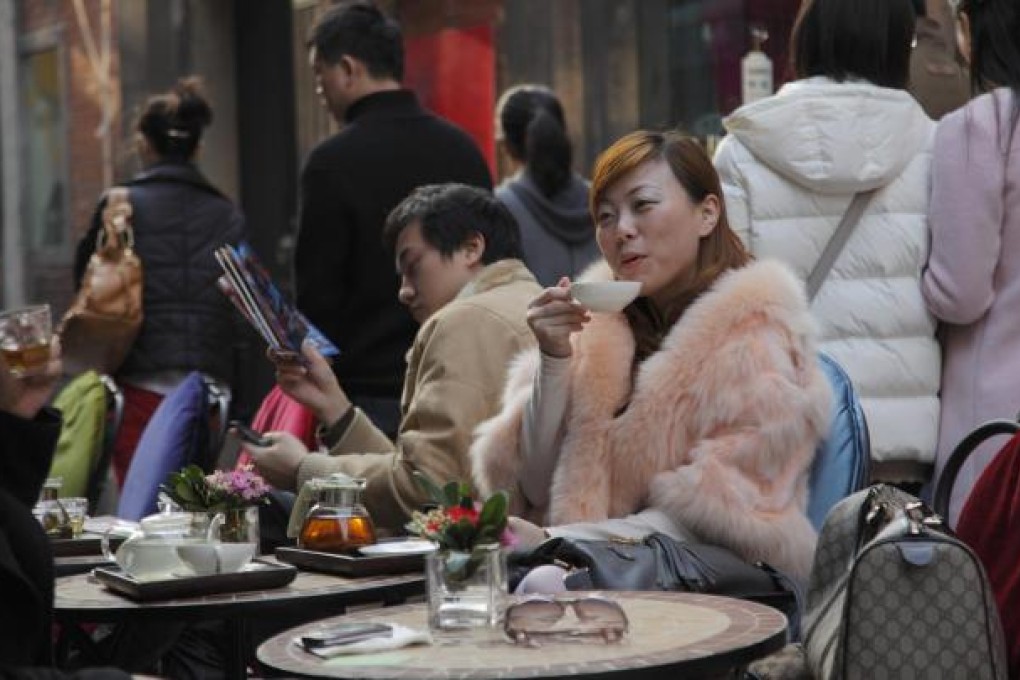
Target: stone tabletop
697	634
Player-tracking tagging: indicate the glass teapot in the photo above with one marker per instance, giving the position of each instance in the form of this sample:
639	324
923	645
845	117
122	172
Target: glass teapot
337	522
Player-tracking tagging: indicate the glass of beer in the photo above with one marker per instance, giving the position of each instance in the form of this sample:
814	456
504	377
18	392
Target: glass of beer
25	338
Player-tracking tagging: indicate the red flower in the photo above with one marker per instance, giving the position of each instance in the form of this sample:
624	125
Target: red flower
458	513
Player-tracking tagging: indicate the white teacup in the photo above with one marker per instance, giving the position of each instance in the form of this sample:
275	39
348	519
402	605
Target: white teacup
151	552
216	558
605	296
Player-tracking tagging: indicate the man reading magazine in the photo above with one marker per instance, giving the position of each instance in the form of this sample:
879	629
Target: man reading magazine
457	253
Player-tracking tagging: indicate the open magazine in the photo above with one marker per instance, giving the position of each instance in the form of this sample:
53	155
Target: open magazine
247	284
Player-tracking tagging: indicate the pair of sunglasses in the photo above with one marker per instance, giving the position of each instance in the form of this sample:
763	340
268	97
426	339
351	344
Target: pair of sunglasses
539	615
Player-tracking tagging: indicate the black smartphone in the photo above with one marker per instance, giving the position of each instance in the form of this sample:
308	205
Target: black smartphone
345	634
249	435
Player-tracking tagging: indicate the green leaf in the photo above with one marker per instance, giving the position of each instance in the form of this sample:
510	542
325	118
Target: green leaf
466	500
434	491
451	495
187	494
462	534
494	511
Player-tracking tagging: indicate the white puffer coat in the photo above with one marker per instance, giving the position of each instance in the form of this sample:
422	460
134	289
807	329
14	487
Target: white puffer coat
790	167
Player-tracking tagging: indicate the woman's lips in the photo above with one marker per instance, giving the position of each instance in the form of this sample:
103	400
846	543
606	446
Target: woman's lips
630	261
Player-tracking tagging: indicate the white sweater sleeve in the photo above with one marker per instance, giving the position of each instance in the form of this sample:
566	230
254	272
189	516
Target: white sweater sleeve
636	526
542	428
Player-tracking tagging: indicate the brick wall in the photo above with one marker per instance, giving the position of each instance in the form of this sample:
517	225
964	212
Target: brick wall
50	280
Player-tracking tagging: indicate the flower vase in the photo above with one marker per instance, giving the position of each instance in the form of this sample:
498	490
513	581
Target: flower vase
239	525
465	588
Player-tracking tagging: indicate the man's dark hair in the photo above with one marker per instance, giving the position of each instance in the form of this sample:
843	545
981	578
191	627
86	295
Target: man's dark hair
843	39
449	214
360	30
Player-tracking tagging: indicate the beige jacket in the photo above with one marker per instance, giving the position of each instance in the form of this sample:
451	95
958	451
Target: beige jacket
456	372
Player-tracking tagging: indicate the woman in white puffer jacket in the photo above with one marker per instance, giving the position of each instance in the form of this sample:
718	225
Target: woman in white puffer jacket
790	166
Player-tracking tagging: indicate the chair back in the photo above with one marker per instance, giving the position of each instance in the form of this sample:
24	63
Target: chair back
176	435
985	431
103	492
219	414
841	460
281	413
82	403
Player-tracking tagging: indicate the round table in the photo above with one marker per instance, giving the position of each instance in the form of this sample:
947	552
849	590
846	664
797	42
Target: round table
670	634
82	599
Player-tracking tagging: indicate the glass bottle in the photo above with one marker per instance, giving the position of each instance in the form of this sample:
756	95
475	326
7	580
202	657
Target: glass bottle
756	69
338	521
51	489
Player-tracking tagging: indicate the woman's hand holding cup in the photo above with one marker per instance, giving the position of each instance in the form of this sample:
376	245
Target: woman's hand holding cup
24	395
553	316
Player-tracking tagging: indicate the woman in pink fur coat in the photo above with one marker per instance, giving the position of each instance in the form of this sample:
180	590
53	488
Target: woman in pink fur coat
696	411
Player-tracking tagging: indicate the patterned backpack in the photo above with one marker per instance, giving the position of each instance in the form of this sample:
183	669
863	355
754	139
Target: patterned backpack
893	594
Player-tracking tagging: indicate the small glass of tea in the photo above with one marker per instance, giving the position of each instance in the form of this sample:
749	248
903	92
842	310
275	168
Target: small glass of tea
25	338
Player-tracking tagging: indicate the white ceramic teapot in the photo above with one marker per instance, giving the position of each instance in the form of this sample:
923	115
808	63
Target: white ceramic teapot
151	552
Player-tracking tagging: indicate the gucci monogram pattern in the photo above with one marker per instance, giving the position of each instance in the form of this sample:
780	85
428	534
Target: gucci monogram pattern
903	620
872	613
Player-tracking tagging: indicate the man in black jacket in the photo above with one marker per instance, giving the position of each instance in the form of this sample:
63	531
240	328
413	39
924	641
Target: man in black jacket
388	146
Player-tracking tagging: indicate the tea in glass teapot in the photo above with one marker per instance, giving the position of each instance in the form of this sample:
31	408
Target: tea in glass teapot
151	551
337	522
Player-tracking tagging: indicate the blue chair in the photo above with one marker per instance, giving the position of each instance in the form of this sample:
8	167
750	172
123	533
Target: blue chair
841	461
177	434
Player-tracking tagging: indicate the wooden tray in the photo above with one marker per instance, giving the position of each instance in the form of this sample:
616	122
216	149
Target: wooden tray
259	575
347	564
79	564
86	544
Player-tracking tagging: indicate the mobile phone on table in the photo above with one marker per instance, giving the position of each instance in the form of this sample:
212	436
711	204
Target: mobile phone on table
345	634
249	435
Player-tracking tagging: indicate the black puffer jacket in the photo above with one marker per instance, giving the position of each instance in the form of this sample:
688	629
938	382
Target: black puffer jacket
179	220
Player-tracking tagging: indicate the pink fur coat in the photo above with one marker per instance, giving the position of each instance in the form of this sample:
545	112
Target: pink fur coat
720	431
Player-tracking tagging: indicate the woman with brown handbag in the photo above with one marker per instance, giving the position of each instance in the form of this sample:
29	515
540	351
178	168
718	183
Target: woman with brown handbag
179	218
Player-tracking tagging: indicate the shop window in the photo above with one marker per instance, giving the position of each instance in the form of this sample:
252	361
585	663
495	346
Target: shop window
43	121
707	41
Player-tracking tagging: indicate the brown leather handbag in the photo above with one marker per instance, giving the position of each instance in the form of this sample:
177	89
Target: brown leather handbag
103	321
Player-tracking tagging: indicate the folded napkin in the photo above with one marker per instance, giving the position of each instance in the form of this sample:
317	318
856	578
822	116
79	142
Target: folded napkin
118	528
402	636
305	500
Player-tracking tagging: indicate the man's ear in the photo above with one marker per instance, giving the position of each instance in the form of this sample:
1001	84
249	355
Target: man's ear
709	212
473	248
350	67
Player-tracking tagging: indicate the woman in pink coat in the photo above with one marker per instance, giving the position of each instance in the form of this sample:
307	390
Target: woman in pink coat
973	278
696	411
